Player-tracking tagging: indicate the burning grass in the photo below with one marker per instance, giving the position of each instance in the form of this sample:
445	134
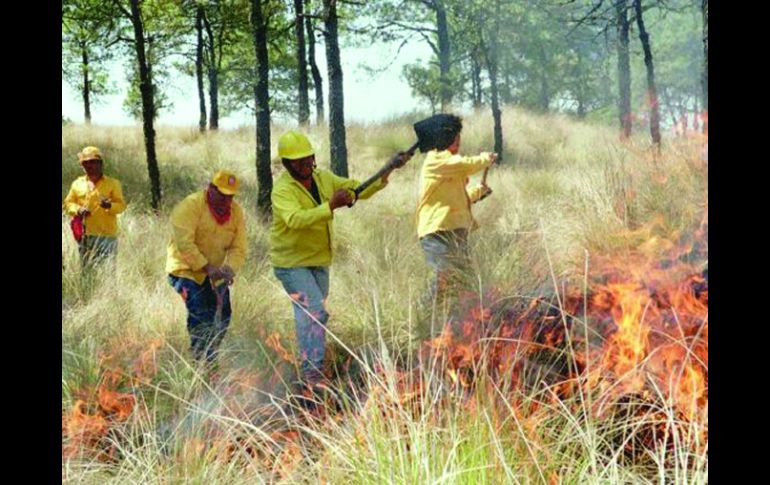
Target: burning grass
625	362
88	427
599	374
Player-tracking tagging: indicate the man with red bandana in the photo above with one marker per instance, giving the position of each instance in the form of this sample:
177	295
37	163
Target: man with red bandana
208	245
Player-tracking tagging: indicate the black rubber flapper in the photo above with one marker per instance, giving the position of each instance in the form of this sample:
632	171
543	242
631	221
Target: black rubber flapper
435	131
438	130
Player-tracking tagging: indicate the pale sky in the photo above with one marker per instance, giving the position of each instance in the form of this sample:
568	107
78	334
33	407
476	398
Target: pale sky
366	98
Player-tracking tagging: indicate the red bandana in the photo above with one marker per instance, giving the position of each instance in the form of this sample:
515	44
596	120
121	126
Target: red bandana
220	213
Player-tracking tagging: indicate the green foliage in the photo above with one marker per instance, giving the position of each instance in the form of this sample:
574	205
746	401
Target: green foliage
425	83
86	34
548	61
678	53
226	33
132	104
240	73
392	21
163	27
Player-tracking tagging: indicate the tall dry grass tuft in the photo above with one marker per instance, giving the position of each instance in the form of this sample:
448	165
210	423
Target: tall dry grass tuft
566	192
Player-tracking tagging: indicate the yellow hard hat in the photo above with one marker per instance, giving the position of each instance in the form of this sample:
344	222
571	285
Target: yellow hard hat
294	145
89	153
226	182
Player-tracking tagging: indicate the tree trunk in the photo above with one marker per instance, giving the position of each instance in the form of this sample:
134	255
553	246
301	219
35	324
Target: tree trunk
202	120
683	117
86	85
339	151
213	74
624	68
318	88
476	83
545	95
497	115
705	81
545	100
262	99
444	55
695	119
304	105
507	91
148	105
579	89
492	61
666	97
214	98
652	92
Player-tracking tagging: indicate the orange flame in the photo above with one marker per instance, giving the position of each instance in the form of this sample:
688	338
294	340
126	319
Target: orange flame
274	342
628	346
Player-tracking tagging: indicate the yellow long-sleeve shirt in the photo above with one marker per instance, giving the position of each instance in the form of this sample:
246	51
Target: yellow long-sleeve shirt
197	239
301	234
84	194
445	203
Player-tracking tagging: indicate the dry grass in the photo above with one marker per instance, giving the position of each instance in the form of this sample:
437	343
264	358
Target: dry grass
566	187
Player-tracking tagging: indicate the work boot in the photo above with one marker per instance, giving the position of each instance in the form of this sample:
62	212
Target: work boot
328	396
301	396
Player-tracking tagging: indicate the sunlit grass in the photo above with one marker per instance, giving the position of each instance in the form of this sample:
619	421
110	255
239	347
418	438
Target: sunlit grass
566	190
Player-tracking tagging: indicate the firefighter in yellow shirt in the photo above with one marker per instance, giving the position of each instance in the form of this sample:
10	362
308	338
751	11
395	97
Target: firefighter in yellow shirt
94	201
304	200
444	216
207	247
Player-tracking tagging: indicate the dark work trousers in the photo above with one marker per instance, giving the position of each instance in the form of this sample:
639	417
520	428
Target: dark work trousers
205	329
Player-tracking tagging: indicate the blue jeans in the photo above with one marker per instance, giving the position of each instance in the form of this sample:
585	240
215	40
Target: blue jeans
308	287
205	329
94	249
447	254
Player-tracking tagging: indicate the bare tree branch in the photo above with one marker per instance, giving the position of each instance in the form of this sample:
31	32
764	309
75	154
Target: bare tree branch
430	42
123	9
591	17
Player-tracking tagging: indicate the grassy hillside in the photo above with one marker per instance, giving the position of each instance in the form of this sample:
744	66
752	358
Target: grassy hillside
570	206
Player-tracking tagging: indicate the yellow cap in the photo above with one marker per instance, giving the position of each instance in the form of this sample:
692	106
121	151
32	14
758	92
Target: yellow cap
89	153
294	145
226	182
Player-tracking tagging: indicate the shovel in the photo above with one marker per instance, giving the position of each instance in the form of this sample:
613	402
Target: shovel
430	133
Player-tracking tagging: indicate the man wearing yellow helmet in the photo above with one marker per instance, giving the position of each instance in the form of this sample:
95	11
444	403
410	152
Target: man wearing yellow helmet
207	247
94	201
304	199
